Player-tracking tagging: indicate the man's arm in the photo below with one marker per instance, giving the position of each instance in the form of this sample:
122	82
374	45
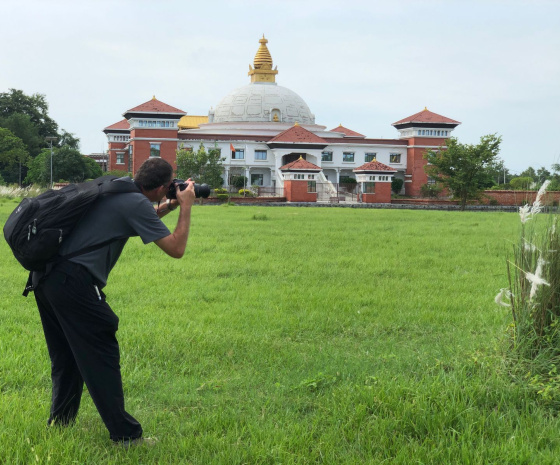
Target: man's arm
167	207
175	244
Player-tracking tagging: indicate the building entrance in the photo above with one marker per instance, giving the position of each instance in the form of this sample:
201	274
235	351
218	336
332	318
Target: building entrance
292	157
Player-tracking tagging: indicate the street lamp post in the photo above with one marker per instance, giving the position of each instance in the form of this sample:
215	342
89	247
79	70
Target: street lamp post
51	139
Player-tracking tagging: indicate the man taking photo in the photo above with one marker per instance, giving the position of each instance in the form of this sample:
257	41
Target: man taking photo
79	325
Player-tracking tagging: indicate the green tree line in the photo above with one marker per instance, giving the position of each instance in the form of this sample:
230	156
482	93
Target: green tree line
25	154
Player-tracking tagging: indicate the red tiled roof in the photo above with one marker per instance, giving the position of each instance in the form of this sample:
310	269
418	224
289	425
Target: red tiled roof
374	166
298	134
155	106
122	124
300	165
346	131
426	116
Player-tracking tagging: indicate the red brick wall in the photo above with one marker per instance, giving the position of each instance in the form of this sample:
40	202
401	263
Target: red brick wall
382	194
415	163
141	148
296	191
519	197
115	147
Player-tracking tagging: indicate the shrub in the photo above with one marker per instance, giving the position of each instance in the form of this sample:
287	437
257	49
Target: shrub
431	191
246	192
224	197
493	202
521	183
396	185
347	180
119	173
239	182
220	190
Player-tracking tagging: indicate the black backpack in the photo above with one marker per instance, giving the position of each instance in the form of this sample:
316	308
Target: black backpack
37	227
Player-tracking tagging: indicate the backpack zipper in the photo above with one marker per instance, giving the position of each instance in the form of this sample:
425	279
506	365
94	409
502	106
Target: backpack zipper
32	228
60	237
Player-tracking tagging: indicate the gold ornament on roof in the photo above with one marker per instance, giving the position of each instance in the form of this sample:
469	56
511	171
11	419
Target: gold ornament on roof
262	71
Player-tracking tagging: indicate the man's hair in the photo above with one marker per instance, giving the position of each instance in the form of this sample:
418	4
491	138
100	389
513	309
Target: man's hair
154	172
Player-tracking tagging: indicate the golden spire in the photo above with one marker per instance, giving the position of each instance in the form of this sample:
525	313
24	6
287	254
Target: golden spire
296	124
262	71
154	97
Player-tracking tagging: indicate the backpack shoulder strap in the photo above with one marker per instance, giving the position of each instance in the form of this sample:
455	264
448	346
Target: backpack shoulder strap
112	185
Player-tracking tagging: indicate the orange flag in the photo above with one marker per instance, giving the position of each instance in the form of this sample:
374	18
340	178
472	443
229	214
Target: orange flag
232	148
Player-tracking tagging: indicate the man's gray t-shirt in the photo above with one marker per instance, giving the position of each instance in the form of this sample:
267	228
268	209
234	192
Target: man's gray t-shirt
111	216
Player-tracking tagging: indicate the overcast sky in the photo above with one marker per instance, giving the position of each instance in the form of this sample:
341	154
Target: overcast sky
493	65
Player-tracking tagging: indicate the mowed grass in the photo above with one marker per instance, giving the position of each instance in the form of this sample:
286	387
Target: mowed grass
292	336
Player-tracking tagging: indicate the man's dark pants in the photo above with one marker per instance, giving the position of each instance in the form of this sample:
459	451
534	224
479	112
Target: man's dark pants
81	338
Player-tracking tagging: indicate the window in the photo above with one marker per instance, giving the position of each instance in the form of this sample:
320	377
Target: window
370	157
260	155
395	158
299	176
257	180
348	157
120	158
239	154
311	186
326	156
310	176
155	150
369	188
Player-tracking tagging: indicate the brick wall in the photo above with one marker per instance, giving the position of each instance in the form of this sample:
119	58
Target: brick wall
296	191
382	194
519	197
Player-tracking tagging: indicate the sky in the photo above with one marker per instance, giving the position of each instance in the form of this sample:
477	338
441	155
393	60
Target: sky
492	65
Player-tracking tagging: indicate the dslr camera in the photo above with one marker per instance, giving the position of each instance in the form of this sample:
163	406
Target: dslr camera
200	190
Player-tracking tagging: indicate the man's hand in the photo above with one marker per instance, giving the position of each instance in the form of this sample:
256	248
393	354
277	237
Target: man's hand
186	198
174	245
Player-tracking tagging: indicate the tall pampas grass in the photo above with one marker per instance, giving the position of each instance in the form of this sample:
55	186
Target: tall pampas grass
15	191
533	295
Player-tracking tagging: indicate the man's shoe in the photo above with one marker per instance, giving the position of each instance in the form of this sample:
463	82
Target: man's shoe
127	443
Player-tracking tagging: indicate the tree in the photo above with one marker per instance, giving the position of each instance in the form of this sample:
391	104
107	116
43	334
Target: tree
39	171
529	173
69	139
462	168
68	165
93	168
202	166
22	127
542	175
35	106
13	153
498	172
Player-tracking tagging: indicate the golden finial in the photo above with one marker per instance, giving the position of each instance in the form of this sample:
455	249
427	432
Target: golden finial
425	108
262	71
296	124
301	157
154	97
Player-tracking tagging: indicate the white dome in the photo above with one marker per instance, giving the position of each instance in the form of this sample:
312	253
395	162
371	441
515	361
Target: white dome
261	102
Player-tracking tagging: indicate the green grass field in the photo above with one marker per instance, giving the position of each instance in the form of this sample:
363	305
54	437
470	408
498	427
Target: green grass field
295	336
